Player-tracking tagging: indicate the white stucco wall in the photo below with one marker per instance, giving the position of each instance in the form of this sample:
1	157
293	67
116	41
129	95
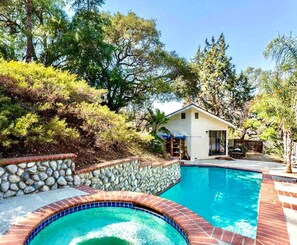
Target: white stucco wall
196	131
199	136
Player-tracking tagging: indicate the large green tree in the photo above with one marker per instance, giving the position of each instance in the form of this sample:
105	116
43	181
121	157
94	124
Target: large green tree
249	125
121	53
30	29
86	5
83	48
139	68
216	86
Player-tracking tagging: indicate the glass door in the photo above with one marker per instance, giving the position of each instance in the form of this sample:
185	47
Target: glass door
217	143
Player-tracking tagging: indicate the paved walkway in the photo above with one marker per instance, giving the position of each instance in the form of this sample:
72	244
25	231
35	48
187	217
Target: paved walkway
14	208
243	164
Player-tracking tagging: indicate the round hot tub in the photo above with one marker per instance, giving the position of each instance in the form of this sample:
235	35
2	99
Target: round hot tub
107	223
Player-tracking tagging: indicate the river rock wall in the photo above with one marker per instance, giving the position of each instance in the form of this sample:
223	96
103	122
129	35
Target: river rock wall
132	176
27	175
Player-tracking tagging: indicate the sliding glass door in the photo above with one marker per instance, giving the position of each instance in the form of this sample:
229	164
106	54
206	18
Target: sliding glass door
217	143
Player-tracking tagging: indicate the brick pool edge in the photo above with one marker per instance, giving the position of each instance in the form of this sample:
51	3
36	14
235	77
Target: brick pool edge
188	221
272	227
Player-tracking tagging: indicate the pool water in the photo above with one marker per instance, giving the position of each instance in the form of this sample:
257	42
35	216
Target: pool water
226	198
109	225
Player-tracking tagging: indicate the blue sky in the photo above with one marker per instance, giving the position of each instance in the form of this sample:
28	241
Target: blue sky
248	25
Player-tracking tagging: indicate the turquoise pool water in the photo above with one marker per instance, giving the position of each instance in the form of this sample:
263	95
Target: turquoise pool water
224	197
109	225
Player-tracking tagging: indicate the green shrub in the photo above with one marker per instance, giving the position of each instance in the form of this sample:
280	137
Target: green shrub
17	125
46	84
104	124
40	105
156	145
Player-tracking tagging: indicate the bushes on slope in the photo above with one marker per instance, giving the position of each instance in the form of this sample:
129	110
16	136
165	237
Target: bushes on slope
41	105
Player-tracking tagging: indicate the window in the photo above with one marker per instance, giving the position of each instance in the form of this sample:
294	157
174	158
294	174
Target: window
196	115
183	115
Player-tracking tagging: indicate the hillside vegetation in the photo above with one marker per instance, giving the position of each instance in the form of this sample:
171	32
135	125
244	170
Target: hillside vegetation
46	111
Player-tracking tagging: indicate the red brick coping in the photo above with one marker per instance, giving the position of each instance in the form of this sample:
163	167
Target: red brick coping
121	161
158	164
272	227
196	228
17	160
106	164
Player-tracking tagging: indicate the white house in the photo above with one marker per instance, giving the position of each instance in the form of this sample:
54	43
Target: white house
198	133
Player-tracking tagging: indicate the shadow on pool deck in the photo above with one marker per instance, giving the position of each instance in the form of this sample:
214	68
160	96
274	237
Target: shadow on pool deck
14	208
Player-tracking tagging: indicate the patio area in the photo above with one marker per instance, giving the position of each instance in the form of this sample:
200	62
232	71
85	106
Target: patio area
261	166
13	209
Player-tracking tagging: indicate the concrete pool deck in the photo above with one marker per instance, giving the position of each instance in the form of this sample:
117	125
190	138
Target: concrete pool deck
13	209
262	166
277	210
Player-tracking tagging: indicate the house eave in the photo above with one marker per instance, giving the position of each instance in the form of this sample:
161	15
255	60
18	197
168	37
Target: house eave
193	106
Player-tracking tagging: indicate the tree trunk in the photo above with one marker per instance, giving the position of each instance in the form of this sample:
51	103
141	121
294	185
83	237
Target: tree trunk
284	133
243	134
89	6
289	153
29	51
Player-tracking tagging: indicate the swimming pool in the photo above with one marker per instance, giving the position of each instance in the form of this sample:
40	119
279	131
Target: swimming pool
227	198
109	225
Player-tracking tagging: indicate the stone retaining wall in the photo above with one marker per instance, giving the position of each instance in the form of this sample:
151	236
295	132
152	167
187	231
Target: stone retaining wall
33	174
132	176
27	175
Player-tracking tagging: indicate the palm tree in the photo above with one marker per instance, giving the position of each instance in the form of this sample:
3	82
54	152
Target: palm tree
283	49
155	120
276	106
